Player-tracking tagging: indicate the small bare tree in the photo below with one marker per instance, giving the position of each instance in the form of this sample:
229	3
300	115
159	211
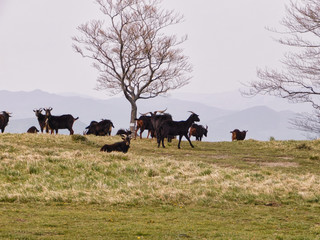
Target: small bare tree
131	51
299	81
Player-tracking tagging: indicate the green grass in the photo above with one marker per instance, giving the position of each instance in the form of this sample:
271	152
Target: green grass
63	187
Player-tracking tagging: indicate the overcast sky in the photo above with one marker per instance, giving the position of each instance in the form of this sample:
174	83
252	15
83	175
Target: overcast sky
227	43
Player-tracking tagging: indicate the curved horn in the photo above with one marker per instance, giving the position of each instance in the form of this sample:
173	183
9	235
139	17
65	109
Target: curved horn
191	112
143	114
162	111
159	111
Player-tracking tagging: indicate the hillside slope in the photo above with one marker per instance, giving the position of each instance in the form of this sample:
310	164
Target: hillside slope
63	187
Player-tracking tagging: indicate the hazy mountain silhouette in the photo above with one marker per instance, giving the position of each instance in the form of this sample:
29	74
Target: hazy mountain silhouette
262	122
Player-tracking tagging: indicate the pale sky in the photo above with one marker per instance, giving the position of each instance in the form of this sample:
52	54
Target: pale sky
227	43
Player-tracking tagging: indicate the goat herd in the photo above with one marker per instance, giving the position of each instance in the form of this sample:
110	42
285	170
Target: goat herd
158	123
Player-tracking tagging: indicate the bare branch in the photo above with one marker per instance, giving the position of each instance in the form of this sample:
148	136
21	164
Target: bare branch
299	80
131	51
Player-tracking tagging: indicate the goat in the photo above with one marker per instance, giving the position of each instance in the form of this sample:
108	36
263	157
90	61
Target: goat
118	146
102	128
33	129
144	122
238	135
123	132
158	119
90	128
4	119
174	128
198	131
60	122
42	119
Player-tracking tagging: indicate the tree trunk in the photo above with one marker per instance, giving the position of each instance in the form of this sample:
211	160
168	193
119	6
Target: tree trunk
133	116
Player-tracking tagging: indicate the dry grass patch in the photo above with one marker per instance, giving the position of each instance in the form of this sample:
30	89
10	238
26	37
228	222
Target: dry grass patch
280	164
66	169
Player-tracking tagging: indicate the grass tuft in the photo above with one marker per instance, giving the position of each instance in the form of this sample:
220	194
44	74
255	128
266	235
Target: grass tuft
79	138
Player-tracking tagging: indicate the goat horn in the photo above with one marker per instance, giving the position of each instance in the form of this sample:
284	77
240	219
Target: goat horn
191	112
162	111
144	114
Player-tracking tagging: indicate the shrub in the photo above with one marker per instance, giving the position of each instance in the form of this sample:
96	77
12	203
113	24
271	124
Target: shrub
272	139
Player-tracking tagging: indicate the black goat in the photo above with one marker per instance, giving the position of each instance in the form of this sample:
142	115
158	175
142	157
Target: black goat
42	119
158	119
198	131
60	122
33	129
174	128
102	128
4	119
90	128
123	132
238	135
118	146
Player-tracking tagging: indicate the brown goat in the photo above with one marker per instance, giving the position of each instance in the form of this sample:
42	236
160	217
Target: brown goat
238	135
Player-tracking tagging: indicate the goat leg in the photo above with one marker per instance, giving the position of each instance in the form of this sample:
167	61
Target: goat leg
186	135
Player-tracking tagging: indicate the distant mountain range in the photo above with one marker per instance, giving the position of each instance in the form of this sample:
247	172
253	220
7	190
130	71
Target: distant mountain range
260	121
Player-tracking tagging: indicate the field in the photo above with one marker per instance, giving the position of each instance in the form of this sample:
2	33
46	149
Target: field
63	187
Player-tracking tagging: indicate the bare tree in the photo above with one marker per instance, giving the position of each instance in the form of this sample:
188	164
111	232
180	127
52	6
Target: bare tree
131	51
307	122
299	81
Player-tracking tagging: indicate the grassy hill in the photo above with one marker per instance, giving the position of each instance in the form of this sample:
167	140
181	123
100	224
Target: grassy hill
63	187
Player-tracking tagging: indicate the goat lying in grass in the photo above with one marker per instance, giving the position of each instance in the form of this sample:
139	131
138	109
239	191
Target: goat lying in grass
123	132
118	146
